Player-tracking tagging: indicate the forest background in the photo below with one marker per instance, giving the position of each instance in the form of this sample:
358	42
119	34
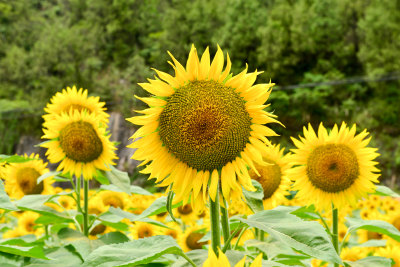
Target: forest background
332	61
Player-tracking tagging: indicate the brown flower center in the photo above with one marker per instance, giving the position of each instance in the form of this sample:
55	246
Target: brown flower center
80	142
27	181
192	241
270	177
333	167
205	124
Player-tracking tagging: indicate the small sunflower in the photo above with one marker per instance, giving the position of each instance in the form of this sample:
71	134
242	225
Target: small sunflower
189	240
204	126
335	168
273	176
174	230
73	99
114	199
142	230
77	141
186	214
26	223
222	260
21	178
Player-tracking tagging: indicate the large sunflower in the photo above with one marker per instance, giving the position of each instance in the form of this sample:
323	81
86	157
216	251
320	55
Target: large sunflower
79	143
335	168
73	99
21	178
273	177
204	126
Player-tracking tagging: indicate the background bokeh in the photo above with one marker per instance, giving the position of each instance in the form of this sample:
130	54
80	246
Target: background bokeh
331	60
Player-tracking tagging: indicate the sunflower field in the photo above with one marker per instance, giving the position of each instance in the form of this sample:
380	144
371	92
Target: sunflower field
226	192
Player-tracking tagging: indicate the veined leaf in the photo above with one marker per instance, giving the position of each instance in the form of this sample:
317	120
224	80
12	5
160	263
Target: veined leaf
5	202
255	199
377	226
119	179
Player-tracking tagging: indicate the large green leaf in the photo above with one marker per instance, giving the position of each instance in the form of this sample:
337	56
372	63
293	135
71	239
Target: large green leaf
133	253
34	251
5	202
9	260
255	199
382	190
198	256
113	238
370	261
377	226
82	244
119	179
14	159
308	237
36	203
59	257
132	217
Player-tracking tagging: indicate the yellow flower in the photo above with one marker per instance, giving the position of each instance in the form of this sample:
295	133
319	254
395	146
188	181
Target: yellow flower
72	99
204	127
79	144
142	230
333	168
186	214
222	260
21	178
189	240
273	177
26	223
174	230
392	252
114	199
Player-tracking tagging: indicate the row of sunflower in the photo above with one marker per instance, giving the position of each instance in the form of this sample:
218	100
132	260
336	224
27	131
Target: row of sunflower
229	189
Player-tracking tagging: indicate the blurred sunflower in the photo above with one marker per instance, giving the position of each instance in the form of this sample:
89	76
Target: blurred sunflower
222	260
142	230
189	240
114	199
26	223
21	178
392	252
78	142
96	206
335	168
273	177
73	99
174	230
186	214
203	125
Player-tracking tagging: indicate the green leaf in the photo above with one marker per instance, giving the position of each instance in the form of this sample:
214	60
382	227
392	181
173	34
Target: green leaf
371	261
382	190
377	226
133	218
33	252
9	260
46	175
255	199
373	243
59	257
36	203
198	256
5	202
140	191
308	237
169	205
308	213
14	159
120	179
113	238
82	244
158	206
101	178
141	251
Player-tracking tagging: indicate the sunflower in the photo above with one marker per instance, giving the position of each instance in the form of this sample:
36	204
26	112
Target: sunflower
114	199
26	223
222	260
189	240
174	230
78	142
203	125
335	168
392	252
21	178
142	230
73	99
186	214
273	177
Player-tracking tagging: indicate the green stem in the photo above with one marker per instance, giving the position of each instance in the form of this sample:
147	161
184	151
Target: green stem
228	242
86	207
215	228
225	225
189	260
78	193
335	237
324	223
238	239
262	235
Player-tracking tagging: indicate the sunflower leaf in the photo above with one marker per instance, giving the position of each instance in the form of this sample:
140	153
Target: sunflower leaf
58	257
308	237
5	202
33	252
46	175
382	190
370	261
169	205
136	252
377	226
255	199
14	159
120	179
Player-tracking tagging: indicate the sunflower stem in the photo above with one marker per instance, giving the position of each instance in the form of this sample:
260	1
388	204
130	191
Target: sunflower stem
78	193
225	225
215	227
335	236
239	237
86	207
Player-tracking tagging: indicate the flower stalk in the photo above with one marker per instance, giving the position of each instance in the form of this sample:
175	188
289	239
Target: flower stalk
215	223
